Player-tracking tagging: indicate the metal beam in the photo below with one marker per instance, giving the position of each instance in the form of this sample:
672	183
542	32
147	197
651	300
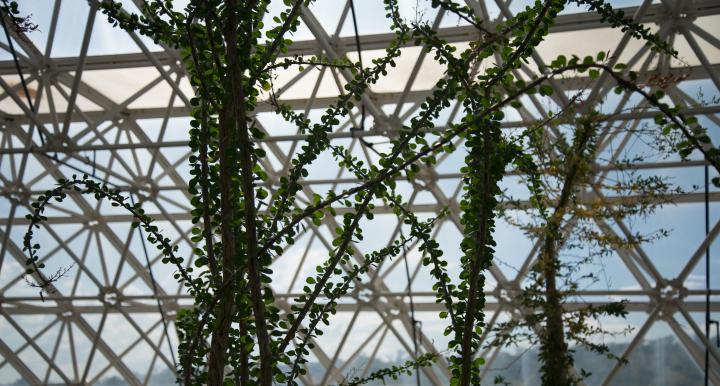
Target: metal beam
564	23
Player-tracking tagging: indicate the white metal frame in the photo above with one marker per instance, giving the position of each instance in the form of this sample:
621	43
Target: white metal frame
118	266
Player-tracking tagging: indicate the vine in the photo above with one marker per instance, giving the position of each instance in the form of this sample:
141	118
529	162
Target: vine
235	332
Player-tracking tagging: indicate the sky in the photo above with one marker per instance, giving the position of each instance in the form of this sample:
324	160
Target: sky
669	254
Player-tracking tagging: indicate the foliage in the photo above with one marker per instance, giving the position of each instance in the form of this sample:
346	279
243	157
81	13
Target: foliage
22	24
231	55
578	228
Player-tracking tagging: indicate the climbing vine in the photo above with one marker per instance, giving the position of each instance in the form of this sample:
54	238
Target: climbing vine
235	332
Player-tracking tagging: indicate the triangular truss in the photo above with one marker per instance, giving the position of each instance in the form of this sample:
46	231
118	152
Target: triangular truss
123	118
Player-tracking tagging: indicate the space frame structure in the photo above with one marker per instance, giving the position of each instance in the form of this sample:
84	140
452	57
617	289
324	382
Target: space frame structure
118	301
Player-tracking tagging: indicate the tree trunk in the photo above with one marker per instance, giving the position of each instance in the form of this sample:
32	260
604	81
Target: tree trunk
555	357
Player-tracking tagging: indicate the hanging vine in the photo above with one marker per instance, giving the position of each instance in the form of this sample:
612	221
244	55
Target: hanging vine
235	332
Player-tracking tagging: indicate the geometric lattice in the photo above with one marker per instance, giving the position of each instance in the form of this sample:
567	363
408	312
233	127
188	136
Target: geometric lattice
115	105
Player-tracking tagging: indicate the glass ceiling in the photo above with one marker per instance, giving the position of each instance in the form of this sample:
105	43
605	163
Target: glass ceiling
128	124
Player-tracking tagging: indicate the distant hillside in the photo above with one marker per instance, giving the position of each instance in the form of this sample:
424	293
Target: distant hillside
657	362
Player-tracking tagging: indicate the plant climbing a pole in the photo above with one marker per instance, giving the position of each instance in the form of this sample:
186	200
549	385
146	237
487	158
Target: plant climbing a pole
235	332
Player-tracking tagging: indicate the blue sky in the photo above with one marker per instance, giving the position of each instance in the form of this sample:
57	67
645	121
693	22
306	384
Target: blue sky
669	254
